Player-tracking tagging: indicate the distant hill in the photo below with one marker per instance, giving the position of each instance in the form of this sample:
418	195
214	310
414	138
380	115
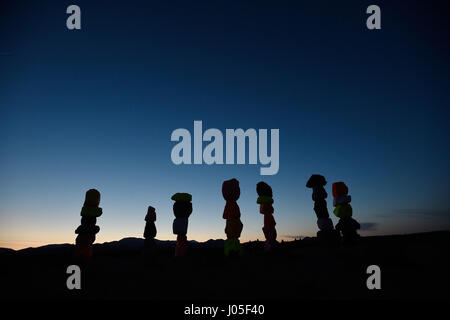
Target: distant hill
6	251
125	244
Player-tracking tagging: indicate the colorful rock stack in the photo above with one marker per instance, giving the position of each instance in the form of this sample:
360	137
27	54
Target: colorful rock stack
265	201
150	231
182	209
326	231
343	210
87	230
231	193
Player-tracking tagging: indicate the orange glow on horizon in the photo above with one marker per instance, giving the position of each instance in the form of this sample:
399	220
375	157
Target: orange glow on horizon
18	243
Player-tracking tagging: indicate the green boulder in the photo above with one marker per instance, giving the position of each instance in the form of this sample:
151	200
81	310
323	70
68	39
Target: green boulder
180	196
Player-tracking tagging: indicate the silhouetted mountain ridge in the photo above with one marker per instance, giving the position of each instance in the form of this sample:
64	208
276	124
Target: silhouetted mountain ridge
136	244
125	244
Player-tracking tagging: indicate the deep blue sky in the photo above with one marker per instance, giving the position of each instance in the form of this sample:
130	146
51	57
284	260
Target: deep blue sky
95	108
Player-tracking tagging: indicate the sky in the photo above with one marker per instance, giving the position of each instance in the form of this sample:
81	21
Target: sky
95	108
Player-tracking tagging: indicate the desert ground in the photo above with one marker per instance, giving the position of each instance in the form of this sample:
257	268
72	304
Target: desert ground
412	266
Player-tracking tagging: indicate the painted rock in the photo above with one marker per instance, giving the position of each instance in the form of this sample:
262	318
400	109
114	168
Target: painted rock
180	226
91	212
270	233
232	246
319	193
347	225
231	210
343	210
88	220
182	209
85	239
92	198
151	214
182	197
150	230
341	200
87	229
264	200
181	247
339	189
263	189
316	180
321	210
266	208
233	228
269	221
231	190
325	224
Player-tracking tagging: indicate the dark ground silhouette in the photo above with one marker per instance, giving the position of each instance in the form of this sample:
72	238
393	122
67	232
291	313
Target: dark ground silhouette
412	266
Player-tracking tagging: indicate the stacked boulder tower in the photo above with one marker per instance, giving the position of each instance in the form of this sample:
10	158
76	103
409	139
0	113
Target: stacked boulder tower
343	210
88	229
182	209
326	231
265	201
232	214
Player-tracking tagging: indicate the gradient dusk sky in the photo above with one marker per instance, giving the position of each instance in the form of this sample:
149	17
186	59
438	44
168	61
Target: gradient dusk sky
95	108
